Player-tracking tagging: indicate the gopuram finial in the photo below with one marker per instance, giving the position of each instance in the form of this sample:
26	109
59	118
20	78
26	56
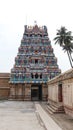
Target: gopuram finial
35	22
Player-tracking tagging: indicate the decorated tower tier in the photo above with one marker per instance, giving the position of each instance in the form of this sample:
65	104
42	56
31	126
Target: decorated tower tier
35	61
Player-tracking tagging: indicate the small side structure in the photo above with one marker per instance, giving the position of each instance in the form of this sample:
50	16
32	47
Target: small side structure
4	85
60	91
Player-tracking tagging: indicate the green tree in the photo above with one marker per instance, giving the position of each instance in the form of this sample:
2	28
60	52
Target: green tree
64	38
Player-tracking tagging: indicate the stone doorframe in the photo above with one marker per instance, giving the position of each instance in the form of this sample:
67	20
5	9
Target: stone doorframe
60	92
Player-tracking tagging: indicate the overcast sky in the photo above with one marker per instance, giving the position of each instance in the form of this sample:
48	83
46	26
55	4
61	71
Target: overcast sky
14	14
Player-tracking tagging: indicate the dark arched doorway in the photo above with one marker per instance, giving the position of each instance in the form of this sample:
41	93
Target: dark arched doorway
36	92
60	96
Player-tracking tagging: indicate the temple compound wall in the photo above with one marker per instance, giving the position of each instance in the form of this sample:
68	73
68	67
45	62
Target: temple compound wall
60	90
4	85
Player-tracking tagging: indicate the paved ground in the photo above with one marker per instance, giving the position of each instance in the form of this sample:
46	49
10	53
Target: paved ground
19	116
64	121
15	115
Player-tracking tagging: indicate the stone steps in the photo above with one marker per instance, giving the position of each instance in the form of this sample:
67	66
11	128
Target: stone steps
55	108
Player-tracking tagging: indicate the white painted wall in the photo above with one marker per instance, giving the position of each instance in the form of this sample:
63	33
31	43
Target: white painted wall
68	93
53	92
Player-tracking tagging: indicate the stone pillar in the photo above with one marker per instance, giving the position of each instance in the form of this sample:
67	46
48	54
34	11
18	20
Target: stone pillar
19	92
16	91
23	91
12	91
27	92
44	92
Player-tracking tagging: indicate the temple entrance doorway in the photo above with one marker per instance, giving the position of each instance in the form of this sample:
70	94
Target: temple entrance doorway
36	92
60	96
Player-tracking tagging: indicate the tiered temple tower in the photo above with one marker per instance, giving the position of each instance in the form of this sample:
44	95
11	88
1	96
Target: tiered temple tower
35	64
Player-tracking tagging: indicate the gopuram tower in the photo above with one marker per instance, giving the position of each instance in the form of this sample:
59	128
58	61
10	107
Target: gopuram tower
35	64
